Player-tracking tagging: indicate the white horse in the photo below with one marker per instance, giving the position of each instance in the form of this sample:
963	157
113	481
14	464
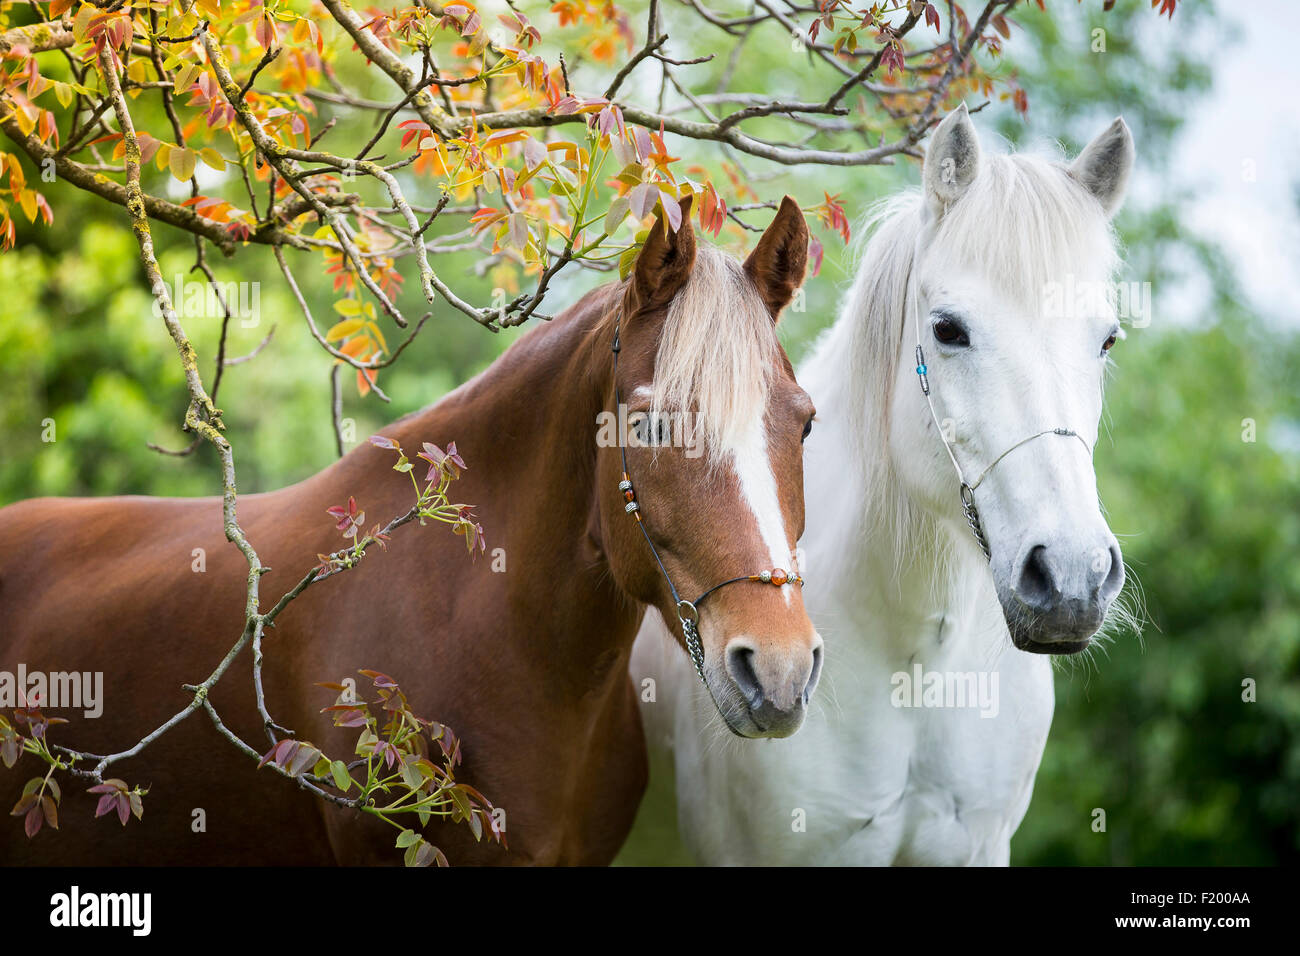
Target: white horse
992	278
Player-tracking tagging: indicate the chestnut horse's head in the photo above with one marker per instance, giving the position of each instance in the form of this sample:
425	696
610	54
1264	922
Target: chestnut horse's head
712	447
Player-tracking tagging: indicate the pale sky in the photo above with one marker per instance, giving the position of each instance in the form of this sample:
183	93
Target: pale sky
1250	126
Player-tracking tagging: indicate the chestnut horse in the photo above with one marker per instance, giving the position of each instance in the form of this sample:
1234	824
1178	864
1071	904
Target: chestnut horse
529	665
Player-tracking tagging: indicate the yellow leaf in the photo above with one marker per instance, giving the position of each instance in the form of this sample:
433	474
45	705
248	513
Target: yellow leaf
347	307
373	329
25	122
82	21
186	77
343	329
212	158
163	156
182	162
27	199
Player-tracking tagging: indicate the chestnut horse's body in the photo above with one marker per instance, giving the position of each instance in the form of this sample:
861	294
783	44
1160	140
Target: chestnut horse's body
538	671
527	663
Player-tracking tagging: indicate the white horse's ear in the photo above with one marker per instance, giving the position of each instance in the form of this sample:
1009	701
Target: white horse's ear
1104	165
951	160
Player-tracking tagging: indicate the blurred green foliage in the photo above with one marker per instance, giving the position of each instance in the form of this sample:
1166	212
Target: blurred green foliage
1152	729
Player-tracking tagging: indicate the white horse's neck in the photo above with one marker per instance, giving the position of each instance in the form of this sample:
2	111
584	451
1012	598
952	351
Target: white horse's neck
907	576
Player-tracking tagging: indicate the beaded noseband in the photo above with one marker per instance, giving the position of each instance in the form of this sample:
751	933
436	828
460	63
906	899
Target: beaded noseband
968	488
687	611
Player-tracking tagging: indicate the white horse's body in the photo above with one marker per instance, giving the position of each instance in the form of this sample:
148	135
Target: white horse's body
896	583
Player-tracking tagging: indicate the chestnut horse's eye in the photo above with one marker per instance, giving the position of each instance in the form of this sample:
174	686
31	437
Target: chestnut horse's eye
950	333
1110	341
807	430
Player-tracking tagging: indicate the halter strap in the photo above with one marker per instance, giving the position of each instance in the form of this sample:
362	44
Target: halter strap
967	489
688	614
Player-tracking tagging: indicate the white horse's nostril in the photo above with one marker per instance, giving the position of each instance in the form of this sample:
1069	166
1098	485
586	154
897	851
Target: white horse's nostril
1113	581
1036	584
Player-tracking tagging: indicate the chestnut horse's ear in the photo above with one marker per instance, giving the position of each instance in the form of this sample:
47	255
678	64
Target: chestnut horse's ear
778	263
664	262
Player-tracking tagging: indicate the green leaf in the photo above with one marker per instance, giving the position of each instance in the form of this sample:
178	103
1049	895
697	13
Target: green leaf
342	779
461	801
407	838
627	260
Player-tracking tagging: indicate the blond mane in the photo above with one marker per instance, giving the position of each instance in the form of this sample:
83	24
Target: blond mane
717	352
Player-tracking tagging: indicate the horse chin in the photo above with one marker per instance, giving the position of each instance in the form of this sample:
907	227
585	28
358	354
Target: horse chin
1064	648
741	721
1036	636
745	726
742	725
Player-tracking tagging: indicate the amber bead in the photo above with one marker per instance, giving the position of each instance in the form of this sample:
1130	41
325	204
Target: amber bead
778	576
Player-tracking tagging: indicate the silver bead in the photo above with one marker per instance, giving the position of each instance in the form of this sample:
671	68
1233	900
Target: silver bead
625	486
765	577
631	506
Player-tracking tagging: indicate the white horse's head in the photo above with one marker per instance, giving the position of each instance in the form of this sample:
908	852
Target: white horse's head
1007	296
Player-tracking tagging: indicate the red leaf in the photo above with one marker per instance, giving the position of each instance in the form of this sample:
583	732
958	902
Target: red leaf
51	811
815	253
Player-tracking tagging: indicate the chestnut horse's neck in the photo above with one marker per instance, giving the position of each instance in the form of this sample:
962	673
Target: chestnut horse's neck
527	429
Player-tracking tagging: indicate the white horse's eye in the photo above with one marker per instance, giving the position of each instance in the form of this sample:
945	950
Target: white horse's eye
950	333
1110	341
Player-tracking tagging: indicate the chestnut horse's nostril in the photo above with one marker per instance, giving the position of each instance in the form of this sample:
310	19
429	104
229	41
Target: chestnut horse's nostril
1036	584
740	665
815	674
